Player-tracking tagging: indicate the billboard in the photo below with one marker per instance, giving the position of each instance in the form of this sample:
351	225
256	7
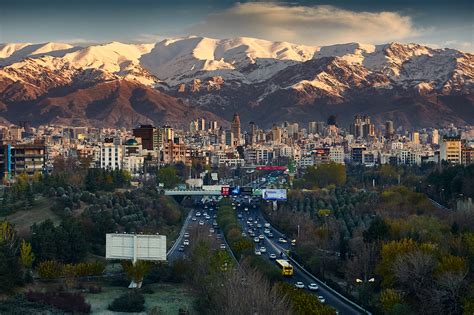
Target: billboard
235	191
135	247
274	194
270	168
225	191
246	191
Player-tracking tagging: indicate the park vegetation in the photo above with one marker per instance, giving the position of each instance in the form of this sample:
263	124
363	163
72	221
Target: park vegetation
387	246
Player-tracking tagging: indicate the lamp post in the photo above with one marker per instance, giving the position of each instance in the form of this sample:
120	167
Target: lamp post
363	289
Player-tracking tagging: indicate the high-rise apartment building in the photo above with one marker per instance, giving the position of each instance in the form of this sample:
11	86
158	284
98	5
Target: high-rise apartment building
235	128
149	136
16	159
450	149
110	155
389	129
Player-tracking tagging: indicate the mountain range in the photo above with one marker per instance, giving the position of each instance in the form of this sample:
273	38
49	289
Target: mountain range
176	80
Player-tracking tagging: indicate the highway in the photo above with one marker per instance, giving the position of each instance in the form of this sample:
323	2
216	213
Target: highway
274	247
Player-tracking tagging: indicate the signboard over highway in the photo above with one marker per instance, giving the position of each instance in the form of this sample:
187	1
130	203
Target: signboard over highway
274	194
270	168
135	247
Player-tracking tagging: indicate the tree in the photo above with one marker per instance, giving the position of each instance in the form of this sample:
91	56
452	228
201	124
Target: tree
167	176
137	271
325	174
26	254
377	231
9	258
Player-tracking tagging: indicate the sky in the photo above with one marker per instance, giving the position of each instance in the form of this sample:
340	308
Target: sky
435	23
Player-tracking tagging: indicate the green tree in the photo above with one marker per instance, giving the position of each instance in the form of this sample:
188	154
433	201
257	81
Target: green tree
167	175
26	254
10	268
325	174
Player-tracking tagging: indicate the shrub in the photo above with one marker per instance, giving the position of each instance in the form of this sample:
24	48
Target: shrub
50	269
69	302
129	302
94	289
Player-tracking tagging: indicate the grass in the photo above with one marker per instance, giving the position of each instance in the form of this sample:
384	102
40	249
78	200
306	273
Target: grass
40	212
168	298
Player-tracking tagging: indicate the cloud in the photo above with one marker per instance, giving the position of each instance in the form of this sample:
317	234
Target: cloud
312	25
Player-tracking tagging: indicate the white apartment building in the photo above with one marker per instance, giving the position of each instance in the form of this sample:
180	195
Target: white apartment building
336	154
110	156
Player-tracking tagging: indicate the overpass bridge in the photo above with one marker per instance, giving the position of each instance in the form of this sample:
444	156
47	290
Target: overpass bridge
191	192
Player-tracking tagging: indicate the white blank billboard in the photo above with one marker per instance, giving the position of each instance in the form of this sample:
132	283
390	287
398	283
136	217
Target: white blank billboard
274	194
136	247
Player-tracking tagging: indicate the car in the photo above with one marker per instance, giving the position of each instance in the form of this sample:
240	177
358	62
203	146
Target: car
293	243
270	235
252	234
256	240
255	222
272	256
267	225
244	234
222	246
211	230
258	253
219	236
214	224
201	222
321	299
246	209
263	249
193	218
207	217
181	248
239	216
250	224
266	231
186	235
282	240
250	219
261	237
198	214
299	285
313	287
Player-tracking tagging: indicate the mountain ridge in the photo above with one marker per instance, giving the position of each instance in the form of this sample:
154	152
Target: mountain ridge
246	74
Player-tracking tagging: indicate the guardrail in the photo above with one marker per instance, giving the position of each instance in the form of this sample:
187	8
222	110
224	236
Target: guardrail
180	235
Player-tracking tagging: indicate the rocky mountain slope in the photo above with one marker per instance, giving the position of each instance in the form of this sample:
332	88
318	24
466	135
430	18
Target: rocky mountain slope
414	85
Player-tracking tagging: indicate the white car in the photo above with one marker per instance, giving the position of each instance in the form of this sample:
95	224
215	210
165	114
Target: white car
299	285
256	240
313	287
272	256
211	230
186	242
282	240
267	225
193	218
258	253
321	299
198	214
201	222
246	209
186	235
222	246
261	237
266	231
263	249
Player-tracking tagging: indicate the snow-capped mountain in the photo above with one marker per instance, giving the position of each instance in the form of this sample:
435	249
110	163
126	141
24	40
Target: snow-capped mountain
256	76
